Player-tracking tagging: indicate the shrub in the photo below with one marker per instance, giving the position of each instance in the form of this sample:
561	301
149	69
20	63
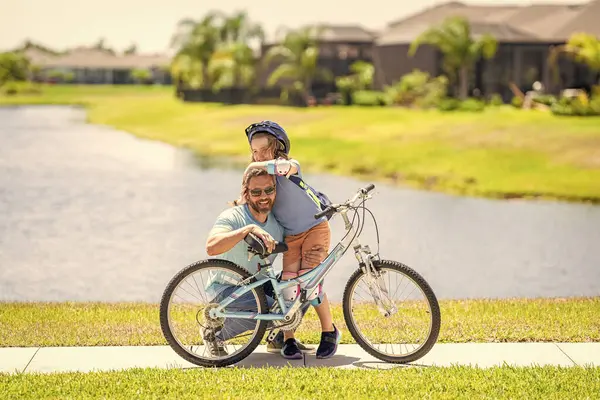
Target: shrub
517	102
577	107
545	99
473	105
418	89
496	100
595	104
470	105
449	104
13	88
369	98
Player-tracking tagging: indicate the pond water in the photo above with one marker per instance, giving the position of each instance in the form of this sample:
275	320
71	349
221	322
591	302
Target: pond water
91	213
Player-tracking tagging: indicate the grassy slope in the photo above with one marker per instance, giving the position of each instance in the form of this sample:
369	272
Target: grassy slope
502	152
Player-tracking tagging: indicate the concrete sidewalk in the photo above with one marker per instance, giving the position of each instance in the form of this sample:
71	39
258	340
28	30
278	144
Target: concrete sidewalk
101	358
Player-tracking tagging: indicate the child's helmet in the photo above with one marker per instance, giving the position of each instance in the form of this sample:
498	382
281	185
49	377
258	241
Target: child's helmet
271	128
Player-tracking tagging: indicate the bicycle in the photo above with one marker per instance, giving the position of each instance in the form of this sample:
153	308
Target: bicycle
286	315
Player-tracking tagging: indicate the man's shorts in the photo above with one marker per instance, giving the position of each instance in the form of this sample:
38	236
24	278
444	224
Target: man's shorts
302	242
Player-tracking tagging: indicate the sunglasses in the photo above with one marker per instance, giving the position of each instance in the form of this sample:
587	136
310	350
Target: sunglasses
257	192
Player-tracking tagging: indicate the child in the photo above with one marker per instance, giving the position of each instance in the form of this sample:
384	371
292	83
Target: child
294	209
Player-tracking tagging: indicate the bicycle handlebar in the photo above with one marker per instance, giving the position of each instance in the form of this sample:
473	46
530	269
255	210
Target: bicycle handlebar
334	207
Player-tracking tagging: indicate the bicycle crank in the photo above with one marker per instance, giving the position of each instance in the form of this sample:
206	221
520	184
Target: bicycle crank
292	324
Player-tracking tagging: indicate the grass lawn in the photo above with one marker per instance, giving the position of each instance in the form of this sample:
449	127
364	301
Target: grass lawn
93	324
502	152
311	383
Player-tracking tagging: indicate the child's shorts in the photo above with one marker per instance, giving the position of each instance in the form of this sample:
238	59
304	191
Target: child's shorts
298	244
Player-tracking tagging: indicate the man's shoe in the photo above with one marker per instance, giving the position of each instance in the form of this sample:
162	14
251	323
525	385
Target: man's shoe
329	343
215	346
276	345
290	350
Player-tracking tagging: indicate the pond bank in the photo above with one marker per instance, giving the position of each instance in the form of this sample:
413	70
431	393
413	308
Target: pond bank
501	153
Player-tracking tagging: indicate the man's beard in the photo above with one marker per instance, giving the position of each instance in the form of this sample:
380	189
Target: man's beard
261	208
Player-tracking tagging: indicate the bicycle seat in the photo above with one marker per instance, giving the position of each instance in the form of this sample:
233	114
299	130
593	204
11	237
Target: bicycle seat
256	246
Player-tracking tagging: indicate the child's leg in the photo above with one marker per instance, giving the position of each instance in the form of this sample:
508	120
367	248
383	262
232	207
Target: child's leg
319	235
291	265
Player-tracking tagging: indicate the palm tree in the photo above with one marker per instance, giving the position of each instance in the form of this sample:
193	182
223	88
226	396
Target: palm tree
196	42
233	64
299	53
453	38
239	28
583	48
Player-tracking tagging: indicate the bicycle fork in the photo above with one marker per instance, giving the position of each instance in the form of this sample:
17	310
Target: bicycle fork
374	280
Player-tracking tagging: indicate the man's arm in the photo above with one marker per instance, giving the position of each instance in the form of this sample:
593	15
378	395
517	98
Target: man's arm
221	240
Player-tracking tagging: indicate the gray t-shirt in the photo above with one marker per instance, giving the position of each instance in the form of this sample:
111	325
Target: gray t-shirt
239	217
293	208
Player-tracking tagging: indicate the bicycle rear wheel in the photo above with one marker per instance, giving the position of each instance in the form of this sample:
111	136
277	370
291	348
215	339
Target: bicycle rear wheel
192	333
413	324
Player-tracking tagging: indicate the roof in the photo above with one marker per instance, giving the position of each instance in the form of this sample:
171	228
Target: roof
94	58
334	33
537	22
346	33
37	56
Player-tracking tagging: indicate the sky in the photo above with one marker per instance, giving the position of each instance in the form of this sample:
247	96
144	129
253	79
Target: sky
64	24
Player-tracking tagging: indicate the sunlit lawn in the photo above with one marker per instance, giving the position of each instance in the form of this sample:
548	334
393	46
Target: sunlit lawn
502	152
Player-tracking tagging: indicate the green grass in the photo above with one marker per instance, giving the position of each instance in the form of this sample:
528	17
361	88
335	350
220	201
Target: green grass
94	324
312	383
500	153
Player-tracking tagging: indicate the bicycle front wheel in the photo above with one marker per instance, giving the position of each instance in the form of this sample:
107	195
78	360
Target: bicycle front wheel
404	325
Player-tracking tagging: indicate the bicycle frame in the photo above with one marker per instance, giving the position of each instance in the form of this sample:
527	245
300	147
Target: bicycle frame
312	279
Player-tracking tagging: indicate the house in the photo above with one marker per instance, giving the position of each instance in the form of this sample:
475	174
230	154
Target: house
339	47
525	36
98	66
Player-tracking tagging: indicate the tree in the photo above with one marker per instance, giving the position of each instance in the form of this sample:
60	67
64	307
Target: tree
132	49
298	53
101	45
234	64
583	48
453	38
13	67
196	42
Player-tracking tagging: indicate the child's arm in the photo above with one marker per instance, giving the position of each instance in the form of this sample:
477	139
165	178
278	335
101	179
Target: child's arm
279	166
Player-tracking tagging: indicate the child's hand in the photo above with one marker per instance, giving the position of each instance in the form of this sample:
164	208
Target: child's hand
285	168
293	170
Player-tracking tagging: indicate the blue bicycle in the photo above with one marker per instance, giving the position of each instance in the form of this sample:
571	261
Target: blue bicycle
213	313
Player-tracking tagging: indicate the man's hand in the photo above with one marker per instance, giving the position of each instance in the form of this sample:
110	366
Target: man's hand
264	236
314	255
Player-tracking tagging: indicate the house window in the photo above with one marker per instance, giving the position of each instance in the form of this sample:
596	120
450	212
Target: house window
343	51
325	51
353	52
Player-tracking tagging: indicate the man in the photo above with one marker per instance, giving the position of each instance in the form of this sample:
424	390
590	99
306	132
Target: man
226	241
